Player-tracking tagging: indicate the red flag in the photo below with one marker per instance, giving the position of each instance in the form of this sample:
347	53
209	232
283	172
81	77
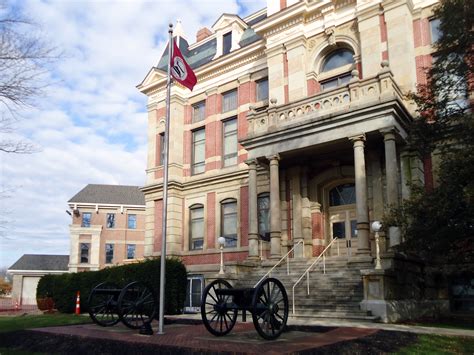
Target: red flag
180	70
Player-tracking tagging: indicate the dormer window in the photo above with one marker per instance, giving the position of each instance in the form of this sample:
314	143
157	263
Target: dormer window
337	66
226	43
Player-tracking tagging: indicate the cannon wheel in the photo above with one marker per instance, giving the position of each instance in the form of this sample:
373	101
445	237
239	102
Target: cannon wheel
103	306
270	308
137	305
218	318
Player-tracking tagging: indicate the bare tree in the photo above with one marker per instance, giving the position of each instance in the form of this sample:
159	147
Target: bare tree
24	61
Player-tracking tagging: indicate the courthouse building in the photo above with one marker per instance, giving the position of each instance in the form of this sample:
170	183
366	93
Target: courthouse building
295	133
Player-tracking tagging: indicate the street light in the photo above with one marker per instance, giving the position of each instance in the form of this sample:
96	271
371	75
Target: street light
376	226
221	241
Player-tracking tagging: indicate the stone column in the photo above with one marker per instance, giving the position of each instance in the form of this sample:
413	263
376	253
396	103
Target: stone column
253	220
361	195
391	173
275	223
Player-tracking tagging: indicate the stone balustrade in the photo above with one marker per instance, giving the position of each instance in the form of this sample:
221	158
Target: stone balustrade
356	94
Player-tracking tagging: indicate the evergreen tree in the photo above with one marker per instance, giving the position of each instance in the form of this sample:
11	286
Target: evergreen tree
439	221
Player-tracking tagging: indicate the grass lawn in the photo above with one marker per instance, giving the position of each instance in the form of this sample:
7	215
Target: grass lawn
437	344
10	324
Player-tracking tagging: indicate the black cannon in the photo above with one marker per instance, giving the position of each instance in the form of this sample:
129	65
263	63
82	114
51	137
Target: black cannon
268	303
135	304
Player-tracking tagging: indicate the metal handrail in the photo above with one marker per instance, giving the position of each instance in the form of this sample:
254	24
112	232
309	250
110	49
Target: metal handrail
322	255
279	262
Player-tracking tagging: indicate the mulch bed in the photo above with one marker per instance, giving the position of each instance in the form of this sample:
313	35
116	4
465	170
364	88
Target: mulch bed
381	342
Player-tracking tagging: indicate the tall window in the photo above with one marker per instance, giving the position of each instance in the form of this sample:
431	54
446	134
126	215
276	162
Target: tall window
434	30
263	205
196	237
85	253
86	219
342	59
132	221
110	220
199	111
229	222
230	142
199	151
131	251
229	101
226	43
162	149
109	253
262	89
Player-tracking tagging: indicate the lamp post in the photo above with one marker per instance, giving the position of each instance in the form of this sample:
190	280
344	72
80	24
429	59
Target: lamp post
221	241
376	226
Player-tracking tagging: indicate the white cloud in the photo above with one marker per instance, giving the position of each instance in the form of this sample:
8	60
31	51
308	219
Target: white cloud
91	125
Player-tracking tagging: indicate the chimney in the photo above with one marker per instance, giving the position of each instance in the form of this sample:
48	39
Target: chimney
202	34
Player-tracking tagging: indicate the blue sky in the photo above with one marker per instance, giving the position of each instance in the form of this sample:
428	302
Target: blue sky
90	126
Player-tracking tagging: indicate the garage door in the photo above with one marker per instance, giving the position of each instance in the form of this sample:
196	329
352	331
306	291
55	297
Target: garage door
28	291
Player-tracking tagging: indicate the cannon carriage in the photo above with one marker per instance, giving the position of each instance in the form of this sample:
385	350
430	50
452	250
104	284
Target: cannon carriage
135	305
267	302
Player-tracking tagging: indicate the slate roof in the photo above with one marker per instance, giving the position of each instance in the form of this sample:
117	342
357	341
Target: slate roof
204	53
110	194
41	262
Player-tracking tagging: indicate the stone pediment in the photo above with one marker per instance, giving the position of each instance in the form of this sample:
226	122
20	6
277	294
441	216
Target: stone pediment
153	76
226	21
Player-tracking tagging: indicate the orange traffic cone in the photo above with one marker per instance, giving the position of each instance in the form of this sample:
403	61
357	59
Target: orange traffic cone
78	303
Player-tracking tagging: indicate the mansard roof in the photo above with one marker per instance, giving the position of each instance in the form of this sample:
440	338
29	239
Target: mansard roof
202	54
110	194
41	262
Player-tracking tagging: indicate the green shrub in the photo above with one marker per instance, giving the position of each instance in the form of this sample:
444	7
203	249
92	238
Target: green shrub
63	288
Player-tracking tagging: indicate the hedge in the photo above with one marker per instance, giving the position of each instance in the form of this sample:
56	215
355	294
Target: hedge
63	288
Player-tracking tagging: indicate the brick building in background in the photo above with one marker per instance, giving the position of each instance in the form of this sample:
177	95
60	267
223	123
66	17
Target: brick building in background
108	226
294	135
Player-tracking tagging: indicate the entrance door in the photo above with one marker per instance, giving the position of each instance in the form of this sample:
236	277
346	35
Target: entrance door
343	227
342	219
193	294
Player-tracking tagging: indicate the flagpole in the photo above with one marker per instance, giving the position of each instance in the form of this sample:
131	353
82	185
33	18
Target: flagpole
165	188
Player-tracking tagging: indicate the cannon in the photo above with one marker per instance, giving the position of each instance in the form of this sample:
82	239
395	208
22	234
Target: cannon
267	302
135	305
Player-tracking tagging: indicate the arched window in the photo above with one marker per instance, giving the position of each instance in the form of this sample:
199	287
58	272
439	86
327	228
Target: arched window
263	206
229	222
342	59
196	228
342	195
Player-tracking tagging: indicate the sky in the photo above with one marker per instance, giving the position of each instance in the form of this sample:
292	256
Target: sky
90	124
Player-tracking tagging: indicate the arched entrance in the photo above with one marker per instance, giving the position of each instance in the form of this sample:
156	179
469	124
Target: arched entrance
342	219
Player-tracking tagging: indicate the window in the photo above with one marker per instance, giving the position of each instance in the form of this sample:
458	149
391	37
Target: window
131	251
109	253
196	238
226	43
85	253
229	222
199	111
230	142
342	195
229	101
86	219
263	205
162	149
262	89
434	30
342	59
199	151
110	220
132	221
